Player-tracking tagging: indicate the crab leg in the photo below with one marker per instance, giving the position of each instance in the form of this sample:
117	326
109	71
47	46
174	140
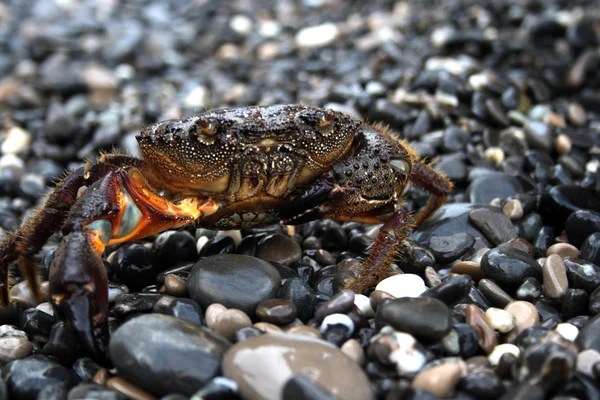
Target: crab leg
117	208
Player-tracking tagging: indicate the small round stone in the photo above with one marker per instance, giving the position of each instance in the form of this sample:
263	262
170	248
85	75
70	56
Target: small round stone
500	350
276	311
305	330
14	348
175	286
486	335
500	320
354	350
563	144
268	328
564	250
211	314
363	303
230	321
337	319
526	315
429	379
568	331
403	285
279	248
513	210
555	277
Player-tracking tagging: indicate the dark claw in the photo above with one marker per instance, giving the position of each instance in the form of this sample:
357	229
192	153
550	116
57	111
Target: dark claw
307	201
92	332
79	291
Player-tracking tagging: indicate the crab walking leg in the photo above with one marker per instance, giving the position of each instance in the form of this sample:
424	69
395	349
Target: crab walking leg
386	245
119	207
434	182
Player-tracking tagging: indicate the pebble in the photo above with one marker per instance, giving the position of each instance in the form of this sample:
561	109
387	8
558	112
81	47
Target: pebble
301	387
233	280
14	348
448	248
276	311
186	309
487	338
509	268
182	358
554	277
482	384
564	250
494	293
513	210
471	268
305	330
589	335
539	135
217	388
228	322
582	274
16	141
136	266
400	349
403	285
424	317
267	327
586	361
441	379
317	36
262	365
353	349
500	350
175	286
567	331
302	295
26	378
94	391
452	291
496	227
130	391
363	303
526	315
175	247
280	249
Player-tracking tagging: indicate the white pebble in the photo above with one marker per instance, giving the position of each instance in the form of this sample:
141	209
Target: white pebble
201	242
337	319
46	307
456	66
235	235
500	320
568	331
197	97
17	140
317	36
439	37
404	285
363	303
10	160
241	24
500	350
405	353
9	330
269	28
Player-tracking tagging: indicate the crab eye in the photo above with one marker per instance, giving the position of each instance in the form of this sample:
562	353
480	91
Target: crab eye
208	126
327	118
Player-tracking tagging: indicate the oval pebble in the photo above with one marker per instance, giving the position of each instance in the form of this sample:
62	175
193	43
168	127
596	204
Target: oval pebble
500	350
403	285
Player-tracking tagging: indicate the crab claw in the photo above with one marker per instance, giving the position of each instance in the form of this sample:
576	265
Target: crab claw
79	291
308	205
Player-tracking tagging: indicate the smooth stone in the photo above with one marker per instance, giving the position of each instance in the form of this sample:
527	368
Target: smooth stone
491	186
468	341
563	250
175	286
85	368
543	241
424	317
574	302
529	290
589	335
448	248
586	361
130	390
594	301
353	349
500	320
219	244
217	388
14	348
494	293
526	315
500	351
496	227
26	378
267	327
486	335
441	379
9	331
391	347
93	391
363	303
301	387
62	344
509	268
567	331
341	303
136	266
555	277
163	354
582	274
279	248
233	280
276	311
305	330
302	295
23	294
558	203
229	322
581	224
263	365
186	309
212	313
175	247
471	268
403	285
482	384
450	219
538	135
513	210
590	249
452	291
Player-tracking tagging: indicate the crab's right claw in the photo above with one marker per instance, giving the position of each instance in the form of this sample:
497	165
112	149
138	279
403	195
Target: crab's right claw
79	291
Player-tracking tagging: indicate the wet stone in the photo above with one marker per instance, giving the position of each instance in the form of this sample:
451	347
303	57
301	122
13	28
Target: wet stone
135	265
14	348
263	365
62	344
560	201
482	385
219	244
563	250
85	368
452	291
574	302
494	293
581	224
276	311
582	274
595	301
174	247
429	379
175	286
424	317
303	388
526	315
341	303
217	388
509	268
590	249
554	277
543	241
229	322
26	378
94	391
182	358
471	268
529	290
301	295
402	285
496	227
448	248
280	249
236	281
496	185
486	335
36	322
539	135
127	304
186	309
500	320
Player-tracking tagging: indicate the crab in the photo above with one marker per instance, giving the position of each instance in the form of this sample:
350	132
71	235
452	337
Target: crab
222	169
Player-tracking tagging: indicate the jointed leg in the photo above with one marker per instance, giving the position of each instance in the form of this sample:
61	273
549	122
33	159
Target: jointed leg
435	183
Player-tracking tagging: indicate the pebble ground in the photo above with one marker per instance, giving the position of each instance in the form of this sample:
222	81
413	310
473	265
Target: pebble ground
496	297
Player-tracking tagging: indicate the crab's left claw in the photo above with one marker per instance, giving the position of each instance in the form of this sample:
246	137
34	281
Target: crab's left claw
79	291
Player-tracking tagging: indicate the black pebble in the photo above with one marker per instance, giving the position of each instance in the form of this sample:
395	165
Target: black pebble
93	391
581	224
302	295
509	267
173	248
186	309
582	274
62	344
136	266
452	291
36	322
448	248
590	249
219	244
